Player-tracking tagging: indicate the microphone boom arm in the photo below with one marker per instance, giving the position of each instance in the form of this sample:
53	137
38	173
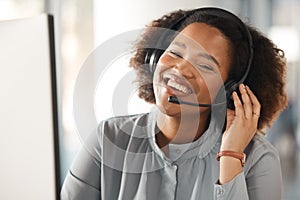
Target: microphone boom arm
176	100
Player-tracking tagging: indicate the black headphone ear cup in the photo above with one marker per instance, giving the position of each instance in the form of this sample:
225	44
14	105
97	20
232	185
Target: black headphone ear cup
148	54
151	58
230	87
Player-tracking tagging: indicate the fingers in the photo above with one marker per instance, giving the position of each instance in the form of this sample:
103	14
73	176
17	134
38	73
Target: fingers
255	103
250	107
247	103
239	110
241	123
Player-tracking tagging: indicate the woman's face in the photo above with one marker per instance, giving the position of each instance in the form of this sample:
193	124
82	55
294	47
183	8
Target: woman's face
193	68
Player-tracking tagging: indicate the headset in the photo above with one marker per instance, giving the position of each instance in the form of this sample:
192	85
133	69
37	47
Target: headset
153	54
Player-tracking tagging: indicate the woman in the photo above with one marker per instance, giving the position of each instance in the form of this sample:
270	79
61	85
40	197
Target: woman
170	153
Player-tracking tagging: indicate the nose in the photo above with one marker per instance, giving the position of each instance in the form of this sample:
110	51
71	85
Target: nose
185	68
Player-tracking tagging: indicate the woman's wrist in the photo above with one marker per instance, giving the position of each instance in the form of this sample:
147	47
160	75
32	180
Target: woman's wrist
230	167
231	147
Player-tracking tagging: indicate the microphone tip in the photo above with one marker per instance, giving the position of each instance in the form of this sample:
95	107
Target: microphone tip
173	99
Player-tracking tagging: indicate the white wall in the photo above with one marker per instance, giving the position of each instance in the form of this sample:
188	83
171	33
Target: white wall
116	16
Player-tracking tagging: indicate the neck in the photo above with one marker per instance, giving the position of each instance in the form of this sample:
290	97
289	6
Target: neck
181	129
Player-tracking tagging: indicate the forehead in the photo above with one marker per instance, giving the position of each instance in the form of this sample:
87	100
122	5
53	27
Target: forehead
211	39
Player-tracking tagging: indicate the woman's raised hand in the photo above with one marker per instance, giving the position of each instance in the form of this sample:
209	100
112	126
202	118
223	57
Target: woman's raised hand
242	122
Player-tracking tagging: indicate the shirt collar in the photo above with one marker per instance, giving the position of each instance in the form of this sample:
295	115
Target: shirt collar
201	147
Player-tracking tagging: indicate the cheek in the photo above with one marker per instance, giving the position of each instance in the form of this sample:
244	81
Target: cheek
209	86
157	85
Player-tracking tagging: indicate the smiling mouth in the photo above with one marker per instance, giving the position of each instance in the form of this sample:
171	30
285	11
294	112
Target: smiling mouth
175	84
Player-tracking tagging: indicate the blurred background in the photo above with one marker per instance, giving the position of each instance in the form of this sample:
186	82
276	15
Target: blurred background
82	25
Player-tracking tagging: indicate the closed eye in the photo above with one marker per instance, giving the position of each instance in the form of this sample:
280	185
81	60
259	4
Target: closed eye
175	53
206	67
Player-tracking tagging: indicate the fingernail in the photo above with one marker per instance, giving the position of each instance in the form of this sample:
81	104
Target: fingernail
243	85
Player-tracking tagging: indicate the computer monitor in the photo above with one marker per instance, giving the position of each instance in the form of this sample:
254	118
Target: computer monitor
29	163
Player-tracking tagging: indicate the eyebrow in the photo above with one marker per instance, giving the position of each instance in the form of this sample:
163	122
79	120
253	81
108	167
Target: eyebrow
210	57
205	55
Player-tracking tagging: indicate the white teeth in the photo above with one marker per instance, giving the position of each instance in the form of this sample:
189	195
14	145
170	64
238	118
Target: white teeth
177	86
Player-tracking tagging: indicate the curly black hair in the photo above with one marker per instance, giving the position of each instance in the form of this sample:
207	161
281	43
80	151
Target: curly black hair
267	75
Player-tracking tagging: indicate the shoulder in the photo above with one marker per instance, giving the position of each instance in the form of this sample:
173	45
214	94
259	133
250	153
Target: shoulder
121	130
123	123
263	170
262	146
261	154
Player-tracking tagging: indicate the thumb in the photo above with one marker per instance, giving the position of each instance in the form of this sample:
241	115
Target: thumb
229	118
